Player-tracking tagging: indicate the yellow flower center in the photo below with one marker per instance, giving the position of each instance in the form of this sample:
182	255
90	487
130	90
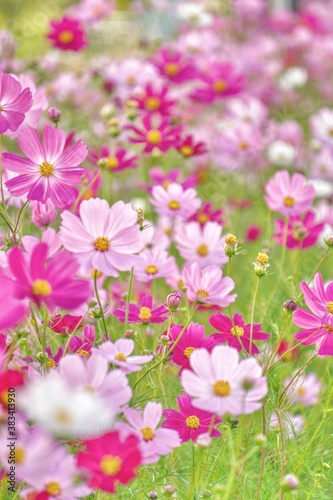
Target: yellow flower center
192	422
152	103
131	80
231	239
89	388
174	205
151	269
222	388
145	313
66	36
154	137
95	273
110	465
102	244
186	150
19	455
4	397
219	86
50	364
289	201
203	218
147	433
238	331
301	391
41	287
330	307
243	145
83	352
202	250
329	328
330	132
63	417
189	351
171	69
87	195
53	489
203	294
262	258
111	162
120	356
46	169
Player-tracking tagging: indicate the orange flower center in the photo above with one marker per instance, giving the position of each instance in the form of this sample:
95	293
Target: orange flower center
203	294
147	433
110	465
202	250
222	388
186	150
46	169
120	356
66	36
189	351
41	287
154	137
219	86
192	422
152	103
53	489
289	201
102	244
171	69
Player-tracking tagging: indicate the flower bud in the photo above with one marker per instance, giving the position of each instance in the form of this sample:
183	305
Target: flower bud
261	264
329	241
169	489
173	301
204	440
54	114
260	439
107	110
290	305
129	334
114	128
131	109
141	216
230	246
43	213
164	339
153	495
290	482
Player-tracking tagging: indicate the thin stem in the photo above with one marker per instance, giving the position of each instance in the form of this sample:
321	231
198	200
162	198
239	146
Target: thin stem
298	374
196	471
16	228
100	304
128	298
263	453
283	454
252	313
234	465
277	344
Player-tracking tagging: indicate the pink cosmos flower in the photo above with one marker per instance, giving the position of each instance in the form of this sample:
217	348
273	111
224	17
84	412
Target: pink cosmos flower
144	312
291	425
223	384
207	285
154	441
236	332
190	422
188	147
50	237
43	213
48	171
103	238
207	213
219	81
14	103
120	160
48	281
200	244
119	354
53	359
193	338
153	100
65	324
153	264
175	66
175	200
291	196
159	176
317	323
163	136
302	231
12	309
83	345
304	390
110	459
67	34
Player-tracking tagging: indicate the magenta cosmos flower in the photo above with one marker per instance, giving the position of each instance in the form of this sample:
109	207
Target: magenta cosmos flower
163	136
236	332
154	100
144	312
120	160
67	34
302	231
317	323
291	196
12	310
48	172
174	200
219	81
190	422
119	354
193	338
48	281
110	459
207	285
102	238
223	384
175	66
14	103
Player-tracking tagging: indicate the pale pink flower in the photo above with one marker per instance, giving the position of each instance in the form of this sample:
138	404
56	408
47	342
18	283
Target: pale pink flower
291	425
152	264
175	200
304	390
43	213
222	383
14	103
119	354
102	238
50	237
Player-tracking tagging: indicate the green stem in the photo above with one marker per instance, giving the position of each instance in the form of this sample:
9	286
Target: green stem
263	453
234	465
100	305
195	470
128	299
252	313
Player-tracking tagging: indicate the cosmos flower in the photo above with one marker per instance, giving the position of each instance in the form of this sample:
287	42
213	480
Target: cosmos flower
162	136
67	34
219	81
121	159
301	232
14	103
153	99
119	354
153	264
304	390
174	200
175	66
143	312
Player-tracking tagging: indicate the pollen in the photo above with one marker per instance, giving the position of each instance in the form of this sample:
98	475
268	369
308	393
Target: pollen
219	86
238	331
102	244
154	137
50	363
151	269
192	422
111	162
120	356
110	465
83	352
46	169
89	388
330	307
186	150
189	351
230	239
222	388
145	313
66	36
152	103
289	201
53	489
41	287
131	80
174	205
19	455
171	69
329	328
147	433
203	294
202	250
262	259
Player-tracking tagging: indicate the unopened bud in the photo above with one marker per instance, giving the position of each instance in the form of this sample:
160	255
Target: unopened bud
131	109
114	128
230	246
290	482
206	494
290	305
164	339
54	114
173	301
261	264
169	489
129	334
260	439
107	111
153	495
329	241
141	215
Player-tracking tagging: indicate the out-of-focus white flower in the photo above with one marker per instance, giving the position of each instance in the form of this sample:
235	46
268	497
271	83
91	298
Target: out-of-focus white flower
293	78
281	153
194	13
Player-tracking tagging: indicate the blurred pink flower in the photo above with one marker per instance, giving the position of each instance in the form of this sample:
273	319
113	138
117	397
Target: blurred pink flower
220	80
162	136
299	233
14	103
67	34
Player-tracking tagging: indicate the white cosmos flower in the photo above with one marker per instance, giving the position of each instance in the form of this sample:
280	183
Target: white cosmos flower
281	153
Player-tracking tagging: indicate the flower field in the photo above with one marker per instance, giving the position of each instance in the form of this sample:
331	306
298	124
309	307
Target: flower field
166	234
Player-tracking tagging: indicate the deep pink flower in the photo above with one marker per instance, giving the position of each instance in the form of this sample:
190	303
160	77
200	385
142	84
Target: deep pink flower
207	285
289	195
220	80
190	422
175	66
14	103
236	332
53	359
109	460
9	379
83	346
193	338
51	281
12	310
188	147
162	136
302	231
65	324
253	232
144	312
160	177
48	171
67	34
120	159
153	100
207	213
